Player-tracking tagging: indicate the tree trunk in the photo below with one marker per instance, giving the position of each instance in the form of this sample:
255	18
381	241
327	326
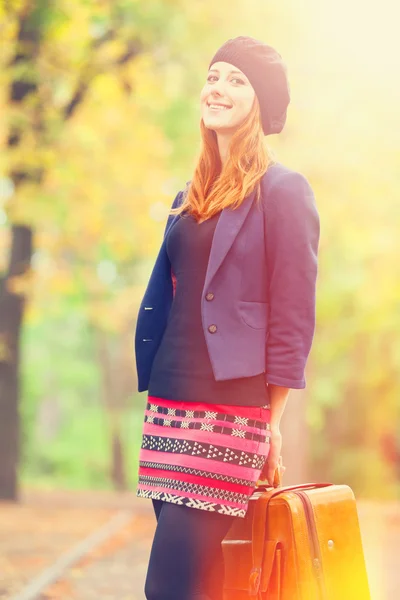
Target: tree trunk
118	470
11	314
114	409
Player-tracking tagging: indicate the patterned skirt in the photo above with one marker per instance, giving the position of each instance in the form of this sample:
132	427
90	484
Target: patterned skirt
205	456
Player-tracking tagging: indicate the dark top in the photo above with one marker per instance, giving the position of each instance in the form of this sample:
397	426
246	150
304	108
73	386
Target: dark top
181	369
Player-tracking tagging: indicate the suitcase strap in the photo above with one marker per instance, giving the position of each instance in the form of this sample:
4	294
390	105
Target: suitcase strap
263	548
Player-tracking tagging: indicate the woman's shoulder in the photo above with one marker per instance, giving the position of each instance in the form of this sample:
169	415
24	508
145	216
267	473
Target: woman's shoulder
279	175
283	186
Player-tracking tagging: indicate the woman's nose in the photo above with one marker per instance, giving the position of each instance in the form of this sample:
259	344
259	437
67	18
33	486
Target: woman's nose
218	88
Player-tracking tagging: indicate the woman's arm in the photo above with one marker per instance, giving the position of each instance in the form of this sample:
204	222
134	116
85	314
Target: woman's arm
292	237
278	396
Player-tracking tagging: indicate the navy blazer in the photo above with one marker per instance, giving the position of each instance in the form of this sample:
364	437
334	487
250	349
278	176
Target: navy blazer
262	271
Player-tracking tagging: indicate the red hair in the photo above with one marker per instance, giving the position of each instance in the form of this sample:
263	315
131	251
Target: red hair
212	187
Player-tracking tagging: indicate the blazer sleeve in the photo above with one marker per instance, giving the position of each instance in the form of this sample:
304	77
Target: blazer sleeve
292	228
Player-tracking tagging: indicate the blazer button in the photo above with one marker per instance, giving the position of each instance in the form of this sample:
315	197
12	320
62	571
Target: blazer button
212	328
209	296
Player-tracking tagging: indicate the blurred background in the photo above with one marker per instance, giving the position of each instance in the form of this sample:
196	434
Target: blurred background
99	129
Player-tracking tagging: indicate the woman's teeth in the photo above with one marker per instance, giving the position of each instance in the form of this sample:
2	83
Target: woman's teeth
218	107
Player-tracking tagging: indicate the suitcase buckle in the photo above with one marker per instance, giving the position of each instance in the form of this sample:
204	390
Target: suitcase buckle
254	581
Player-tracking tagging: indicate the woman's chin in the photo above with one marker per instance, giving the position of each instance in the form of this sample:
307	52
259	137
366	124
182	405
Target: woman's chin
216	125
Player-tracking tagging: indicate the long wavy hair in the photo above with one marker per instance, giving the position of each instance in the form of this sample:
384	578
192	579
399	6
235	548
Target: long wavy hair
214	188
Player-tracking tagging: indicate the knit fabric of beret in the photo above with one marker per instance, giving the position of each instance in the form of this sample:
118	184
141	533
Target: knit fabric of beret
267	73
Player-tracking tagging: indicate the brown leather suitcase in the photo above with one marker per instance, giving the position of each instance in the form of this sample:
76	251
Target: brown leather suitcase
296	543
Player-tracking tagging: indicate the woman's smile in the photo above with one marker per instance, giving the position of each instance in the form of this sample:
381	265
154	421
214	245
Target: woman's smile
216	107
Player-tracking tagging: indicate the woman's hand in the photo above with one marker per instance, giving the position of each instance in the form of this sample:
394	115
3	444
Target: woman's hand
274	459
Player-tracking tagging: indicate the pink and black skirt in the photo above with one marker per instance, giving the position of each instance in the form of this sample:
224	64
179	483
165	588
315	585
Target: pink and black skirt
205	456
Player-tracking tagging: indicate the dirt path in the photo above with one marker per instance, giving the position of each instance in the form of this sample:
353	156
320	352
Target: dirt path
35	533
116	570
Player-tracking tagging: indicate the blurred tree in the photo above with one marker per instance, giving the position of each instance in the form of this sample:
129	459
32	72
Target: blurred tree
96	66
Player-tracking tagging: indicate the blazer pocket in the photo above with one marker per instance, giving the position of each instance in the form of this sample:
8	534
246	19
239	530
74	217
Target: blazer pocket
254	314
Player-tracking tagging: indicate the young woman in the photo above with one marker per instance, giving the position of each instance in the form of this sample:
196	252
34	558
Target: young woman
226	324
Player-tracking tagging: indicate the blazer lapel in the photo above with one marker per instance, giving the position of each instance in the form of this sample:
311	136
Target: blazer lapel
228	226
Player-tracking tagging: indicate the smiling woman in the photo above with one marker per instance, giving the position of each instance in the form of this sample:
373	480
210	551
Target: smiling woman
227	320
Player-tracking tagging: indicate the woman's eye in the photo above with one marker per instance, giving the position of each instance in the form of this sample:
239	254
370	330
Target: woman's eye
209	78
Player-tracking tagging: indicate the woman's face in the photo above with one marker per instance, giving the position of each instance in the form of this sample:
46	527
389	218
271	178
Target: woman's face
229	86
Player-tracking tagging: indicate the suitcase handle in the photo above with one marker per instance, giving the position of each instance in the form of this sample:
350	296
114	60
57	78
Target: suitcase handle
287	488
259	529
